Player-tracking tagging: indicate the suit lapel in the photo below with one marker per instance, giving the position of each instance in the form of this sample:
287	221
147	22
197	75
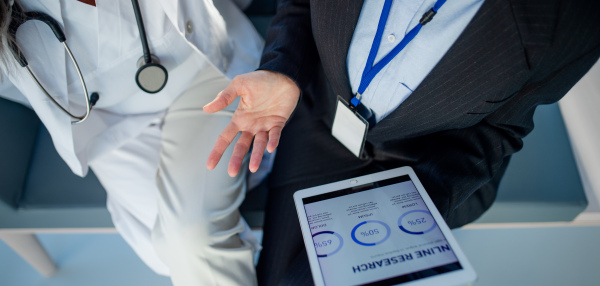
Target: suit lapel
482	69
333	33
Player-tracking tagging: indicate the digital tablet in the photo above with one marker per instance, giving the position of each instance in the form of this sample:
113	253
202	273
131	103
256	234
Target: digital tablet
379	229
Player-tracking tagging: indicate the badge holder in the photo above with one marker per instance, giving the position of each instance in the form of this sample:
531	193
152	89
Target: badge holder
349	127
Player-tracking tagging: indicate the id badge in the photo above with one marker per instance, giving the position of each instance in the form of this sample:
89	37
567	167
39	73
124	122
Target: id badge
349	128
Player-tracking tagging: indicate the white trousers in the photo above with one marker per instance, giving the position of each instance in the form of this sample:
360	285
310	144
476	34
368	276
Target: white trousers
180	218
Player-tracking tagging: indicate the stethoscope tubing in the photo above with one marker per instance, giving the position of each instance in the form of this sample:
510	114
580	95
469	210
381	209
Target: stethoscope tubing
19	17
55	27
88	106
141	30
88	109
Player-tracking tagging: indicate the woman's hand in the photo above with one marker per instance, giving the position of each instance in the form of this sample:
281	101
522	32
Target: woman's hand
267	102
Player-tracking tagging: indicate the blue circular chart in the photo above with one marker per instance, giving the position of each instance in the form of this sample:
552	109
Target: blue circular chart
371	232
416	222
327	243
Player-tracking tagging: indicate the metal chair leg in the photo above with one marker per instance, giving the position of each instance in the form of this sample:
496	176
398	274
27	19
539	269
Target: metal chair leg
28	246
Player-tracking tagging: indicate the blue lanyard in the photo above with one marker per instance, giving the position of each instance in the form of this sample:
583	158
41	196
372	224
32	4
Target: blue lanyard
371	70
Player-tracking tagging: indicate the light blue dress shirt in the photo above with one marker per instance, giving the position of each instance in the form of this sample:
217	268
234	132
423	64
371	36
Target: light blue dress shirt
396	81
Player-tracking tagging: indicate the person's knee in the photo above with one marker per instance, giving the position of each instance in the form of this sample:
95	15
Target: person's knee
195	234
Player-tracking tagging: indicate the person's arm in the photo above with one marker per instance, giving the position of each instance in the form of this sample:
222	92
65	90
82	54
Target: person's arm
290	48
461	161
270	94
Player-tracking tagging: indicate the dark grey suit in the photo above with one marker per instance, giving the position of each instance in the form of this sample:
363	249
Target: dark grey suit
458	128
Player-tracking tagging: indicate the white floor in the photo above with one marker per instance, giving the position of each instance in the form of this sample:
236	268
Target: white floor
556	255
545	256
83	259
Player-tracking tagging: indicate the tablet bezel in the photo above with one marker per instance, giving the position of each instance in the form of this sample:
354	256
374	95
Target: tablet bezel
458	277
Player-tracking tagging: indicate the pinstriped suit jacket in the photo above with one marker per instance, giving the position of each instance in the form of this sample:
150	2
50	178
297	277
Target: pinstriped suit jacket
470	113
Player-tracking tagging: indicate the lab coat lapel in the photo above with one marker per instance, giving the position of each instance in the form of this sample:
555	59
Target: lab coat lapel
47	58
219	49
116	21
483	68
45	54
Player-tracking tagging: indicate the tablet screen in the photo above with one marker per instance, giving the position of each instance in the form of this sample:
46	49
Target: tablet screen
381	233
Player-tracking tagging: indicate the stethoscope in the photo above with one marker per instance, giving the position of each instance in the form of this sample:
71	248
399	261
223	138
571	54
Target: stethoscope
151	76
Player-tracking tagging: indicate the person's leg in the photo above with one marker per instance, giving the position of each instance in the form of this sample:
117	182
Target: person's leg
307	156
197	233
128	176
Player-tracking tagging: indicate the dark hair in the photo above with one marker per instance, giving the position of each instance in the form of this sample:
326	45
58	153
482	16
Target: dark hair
7	14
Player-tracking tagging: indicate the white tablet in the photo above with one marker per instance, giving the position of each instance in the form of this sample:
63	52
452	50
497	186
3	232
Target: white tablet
379	229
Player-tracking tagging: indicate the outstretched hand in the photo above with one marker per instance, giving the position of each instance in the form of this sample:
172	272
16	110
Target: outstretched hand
267	102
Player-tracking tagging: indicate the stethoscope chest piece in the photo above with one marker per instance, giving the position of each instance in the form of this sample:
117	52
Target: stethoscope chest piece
151	76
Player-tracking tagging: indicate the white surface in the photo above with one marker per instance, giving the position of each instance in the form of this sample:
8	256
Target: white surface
545	256
579	109
82	259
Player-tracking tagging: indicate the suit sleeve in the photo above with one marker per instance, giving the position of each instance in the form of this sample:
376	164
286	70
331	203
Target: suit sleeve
290	48
460	168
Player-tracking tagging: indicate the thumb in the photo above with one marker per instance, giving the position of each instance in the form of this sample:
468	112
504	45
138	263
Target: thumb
223	99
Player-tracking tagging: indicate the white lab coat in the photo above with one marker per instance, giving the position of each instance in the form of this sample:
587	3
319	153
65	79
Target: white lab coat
220	34
188	37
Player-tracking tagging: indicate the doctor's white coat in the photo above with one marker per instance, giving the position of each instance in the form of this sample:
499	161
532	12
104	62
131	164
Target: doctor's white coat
185	35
